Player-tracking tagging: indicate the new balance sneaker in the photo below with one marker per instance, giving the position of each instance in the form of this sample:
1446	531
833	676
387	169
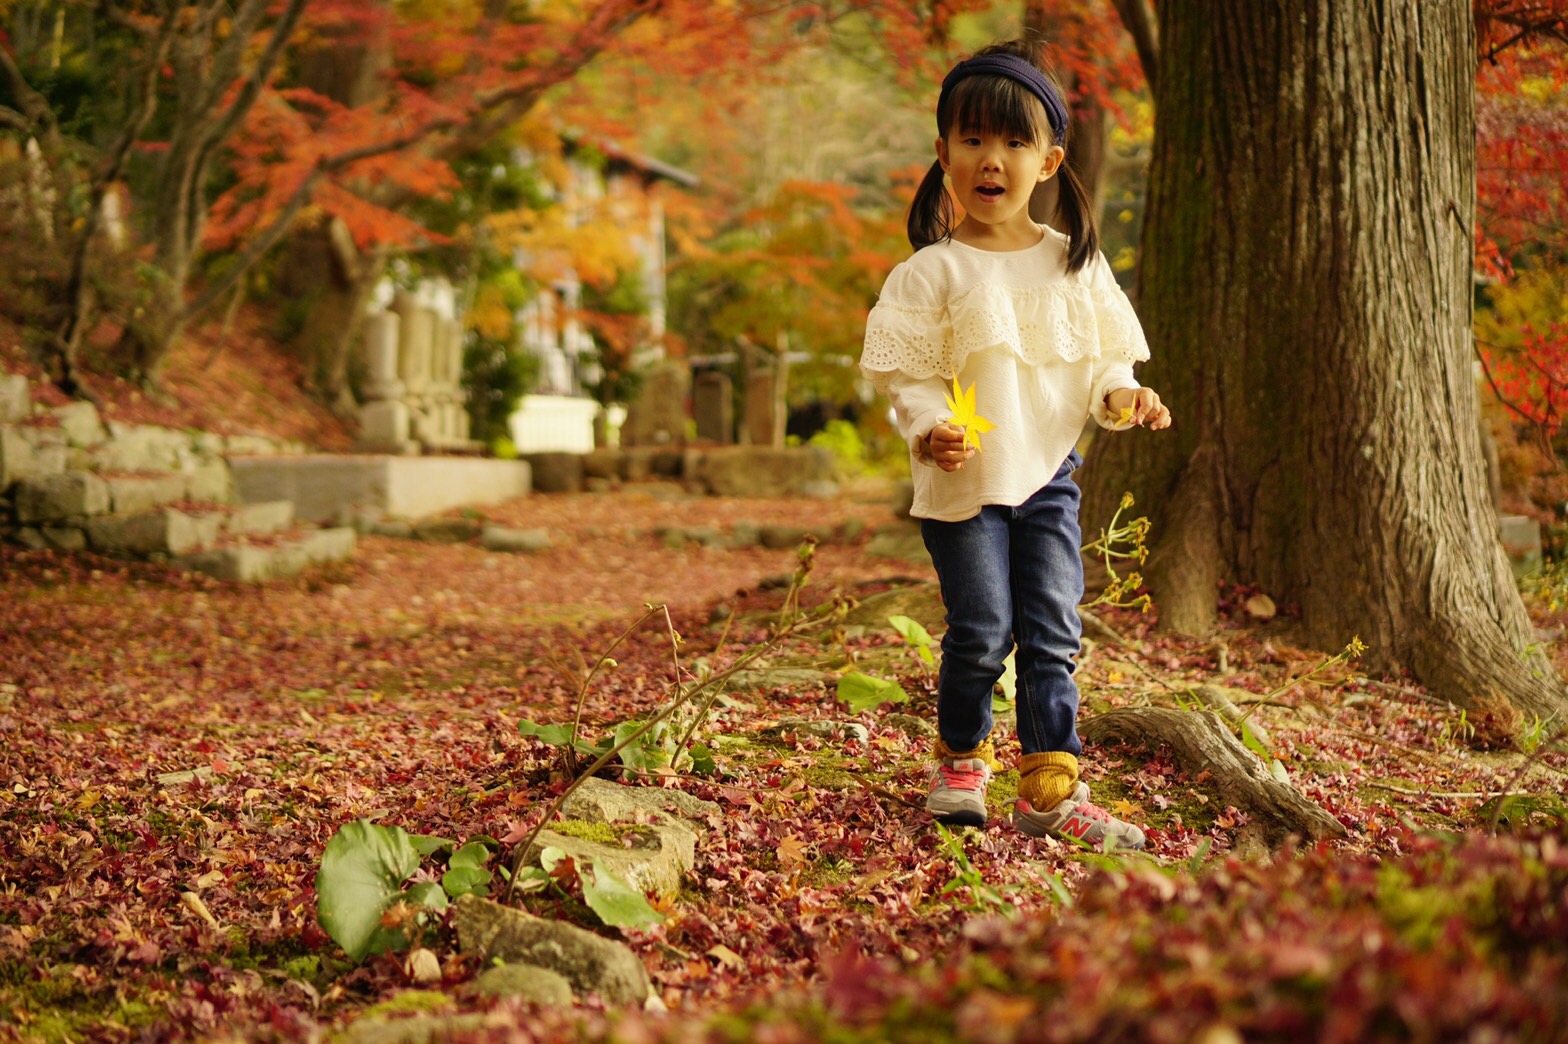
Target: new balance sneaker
1080	819
958	791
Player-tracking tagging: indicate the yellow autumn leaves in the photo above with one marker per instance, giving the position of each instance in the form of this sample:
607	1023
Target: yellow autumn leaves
962	403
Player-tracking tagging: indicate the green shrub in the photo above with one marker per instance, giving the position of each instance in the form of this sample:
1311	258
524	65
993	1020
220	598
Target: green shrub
495	379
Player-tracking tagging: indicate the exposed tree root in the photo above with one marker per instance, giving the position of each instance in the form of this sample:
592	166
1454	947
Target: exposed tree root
1200	740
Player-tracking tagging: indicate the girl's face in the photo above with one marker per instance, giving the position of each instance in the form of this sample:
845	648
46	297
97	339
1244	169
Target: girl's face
993	173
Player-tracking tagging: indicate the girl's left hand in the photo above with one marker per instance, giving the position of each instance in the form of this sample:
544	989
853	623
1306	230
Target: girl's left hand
1145	404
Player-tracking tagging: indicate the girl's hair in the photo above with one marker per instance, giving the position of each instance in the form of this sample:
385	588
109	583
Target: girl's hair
994	104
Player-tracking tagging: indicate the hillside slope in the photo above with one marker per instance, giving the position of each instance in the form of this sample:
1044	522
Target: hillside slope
238	382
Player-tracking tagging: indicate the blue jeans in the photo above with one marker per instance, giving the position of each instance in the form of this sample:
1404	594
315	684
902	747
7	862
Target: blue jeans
1012	576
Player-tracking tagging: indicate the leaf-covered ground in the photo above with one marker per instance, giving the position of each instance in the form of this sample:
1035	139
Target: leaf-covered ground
176	752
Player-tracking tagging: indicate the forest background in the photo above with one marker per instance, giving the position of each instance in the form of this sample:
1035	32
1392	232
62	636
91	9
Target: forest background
277	160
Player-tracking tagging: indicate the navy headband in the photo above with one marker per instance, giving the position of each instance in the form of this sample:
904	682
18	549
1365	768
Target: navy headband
1013	68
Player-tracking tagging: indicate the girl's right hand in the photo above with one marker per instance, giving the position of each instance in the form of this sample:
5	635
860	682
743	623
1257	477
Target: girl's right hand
945	445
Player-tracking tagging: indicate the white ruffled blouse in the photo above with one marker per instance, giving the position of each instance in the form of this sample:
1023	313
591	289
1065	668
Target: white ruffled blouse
1042	348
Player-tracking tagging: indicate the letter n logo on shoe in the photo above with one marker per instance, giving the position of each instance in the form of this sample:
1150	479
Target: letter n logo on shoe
1077	826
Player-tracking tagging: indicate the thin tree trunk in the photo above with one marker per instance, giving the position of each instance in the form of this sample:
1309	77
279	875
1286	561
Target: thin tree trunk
1086	129
1305	284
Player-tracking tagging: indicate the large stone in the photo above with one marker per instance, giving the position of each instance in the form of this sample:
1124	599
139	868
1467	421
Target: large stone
599	800
239	563
72	494
209	482
384	427
269	516
651	857
65	538
713	407
332	544
18	458
658	415
636	463
527	983
167	532
591	963
142	447
16	402
658	846
752	471
556	472
133	494
81	423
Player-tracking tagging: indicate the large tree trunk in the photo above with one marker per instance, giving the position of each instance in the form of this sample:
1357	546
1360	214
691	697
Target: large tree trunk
1306	287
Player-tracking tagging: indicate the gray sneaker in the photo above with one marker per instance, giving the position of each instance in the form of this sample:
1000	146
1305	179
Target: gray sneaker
1077	818
958	791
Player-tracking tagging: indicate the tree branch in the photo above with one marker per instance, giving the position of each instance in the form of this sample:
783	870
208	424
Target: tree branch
68	340
504	104
34	106
281	31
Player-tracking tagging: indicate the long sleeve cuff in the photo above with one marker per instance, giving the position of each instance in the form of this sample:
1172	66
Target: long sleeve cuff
1114	377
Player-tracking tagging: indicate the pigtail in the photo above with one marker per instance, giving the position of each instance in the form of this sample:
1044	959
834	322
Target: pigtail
931	215
1077	213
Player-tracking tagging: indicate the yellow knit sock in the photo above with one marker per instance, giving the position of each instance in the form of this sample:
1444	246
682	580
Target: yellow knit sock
1047	779
986	752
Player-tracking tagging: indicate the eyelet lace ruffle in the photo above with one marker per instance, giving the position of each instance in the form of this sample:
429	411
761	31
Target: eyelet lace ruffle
1064	322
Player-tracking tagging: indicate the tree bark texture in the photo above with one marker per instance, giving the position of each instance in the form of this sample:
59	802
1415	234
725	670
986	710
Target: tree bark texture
1306	288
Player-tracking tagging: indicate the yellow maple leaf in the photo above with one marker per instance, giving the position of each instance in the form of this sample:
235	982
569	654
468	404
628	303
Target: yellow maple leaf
962	403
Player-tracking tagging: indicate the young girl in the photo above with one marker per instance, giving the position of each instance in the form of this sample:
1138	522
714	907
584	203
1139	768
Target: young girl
1034	321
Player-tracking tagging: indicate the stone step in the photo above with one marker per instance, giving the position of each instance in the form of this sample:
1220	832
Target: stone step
247	562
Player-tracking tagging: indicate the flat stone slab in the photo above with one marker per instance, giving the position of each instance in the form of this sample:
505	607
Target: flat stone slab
514	541
591	963
327	487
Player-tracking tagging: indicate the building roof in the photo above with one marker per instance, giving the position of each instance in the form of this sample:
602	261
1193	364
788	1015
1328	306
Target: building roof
619	156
